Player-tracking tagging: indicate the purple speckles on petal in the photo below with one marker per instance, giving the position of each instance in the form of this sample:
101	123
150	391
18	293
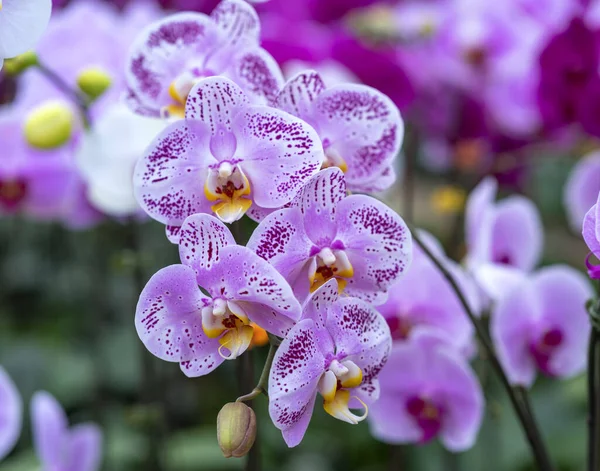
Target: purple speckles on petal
258	74
238	22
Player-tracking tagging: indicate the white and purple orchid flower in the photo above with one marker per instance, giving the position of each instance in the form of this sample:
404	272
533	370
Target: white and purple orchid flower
59	447
224	157
361	129
582	188
11	414
591	235
504	239
427	391
335	351
424	298
542	325
171	55
178	322
324	234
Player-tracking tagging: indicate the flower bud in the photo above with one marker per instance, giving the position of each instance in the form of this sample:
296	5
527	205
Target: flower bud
21	63
94	82
236	429
49	126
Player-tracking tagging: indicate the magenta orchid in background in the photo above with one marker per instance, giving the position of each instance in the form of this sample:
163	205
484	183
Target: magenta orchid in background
59	447
336	350
11	414
542	325
226	156
591	235
504	239
177	322
360	128
427	390
425	298
325	234
172	55
581	189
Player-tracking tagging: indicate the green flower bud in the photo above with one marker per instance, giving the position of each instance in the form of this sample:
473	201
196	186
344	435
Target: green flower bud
21	63
236	429
49	126
94	82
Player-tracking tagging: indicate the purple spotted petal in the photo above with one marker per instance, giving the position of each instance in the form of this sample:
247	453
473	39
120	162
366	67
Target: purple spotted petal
201	240
172	233
11	414
238	20
282	241
318	201
257	73
162	52
591	228
280	154
168	319
50	430
379	182
378	245
214	101
256	286
317	307
169	179
296	370
582	188
563	292
512	322
362	335
362	126
299	93
86	448
480	201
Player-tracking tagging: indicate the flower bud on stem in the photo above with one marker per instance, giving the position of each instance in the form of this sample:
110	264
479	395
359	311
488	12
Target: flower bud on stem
236	429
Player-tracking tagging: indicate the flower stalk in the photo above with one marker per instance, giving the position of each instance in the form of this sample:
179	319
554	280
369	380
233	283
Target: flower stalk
519	401
593	378
263	382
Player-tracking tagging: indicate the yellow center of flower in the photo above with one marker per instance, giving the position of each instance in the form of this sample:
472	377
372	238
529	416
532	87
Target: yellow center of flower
228	322
229	188
331	264
335	386
334	159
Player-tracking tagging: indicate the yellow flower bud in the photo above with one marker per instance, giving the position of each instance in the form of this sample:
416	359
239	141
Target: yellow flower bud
19	64
49	126
94	82
236	429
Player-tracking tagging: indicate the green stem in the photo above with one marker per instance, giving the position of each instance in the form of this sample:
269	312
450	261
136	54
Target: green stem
531	430
593	378
263	382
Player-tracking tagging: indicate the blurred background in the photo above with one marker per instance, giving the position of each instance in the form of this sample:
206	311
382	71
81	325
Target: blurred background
509	89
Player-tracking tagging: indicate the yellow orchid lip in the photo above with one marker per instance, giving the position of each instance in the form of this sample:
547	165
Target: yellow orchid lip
331	265
334	159
339	409
229	188
236	340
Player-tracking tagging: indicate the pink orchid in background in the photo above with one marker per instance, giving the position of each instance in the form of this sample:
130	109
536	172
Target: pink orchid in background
11	414
177	322
172	55
226	156
591	235
360	128
337	351
542	325
427	391
581	189
424	298
324	234
58	446
504	239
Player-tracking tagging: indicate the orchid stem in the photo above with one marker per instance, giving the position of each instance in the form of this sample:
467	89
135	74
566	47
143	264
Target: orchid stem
593	378
524	414
263	382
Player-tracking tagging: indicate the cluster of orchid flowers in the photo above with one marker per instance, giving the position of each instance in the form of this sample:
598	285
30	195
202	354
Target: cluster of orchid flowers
362	320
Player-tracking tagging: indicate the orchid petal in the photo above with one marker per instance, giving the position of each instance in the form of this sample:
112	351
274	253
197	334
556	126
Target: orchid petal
50	430
299	94
11	414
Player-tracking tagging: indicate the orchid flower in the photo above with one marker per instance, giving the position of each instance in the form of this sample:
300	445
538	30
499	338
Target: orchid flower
581	189
224	157
11	414
504	239
22	23
336	351
323	234
542	325
178	322
591	235
360	128
171	55
427	390
59	447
